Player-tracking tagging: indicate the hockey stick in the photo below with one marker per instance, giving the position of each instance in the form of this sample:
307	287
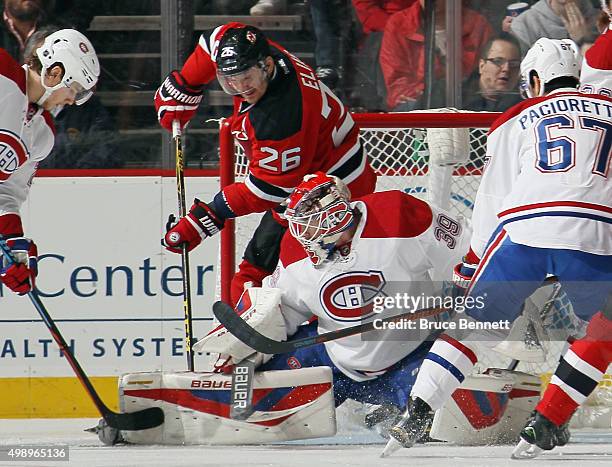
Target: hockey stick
257	341
180	190
140	420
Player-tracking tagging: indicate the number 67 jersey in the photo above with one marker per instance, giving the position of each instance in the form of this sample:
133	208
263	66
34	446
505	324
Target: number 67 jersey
546	181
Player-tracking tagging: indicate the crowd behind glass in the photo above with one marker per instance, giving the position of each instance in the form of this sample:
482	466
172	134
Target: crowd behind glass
372	53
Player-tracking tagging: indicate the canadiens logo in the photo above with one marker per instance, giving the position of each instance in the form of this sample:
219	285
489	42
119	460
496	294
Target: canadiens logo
293	363
13	154
83	47
350	296
250	35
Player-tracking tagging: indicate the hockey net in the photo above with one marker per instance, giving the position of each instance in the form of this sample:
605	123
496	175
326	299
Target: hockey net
437	156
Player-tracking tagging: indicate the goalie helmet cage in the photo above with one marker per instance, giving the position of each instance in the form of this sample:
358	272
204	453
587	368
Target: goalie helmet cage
437	155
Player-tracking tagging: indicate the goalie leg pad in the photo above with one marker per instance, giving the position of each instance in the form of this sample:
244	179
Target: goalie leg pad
490	408
289	405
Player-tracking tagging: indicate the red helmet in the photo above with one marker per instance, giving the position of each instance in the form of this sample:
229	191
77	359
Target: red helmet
318	212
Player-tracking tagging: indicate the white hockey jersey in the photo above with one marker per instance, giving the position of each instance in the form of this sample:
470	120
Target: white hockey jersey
26	136
596	72
401	243
546	181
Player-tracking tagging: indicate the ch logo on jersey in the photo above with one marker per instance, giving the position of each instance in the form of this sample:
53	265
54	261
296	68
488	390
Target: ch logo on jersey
13	154
350	296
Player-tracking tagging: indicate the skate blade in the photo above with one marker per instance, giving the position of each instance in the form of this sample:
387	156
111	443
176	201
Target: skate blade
525	450
392	446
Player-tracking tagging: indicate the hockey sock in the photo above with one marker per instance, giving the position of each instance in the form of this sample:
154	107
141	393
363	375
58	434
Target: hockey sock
443	370
580	370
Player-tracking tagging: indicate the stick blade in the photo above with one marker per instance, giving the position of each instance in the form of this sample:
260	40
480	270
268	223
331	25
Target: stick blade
240	328
133	421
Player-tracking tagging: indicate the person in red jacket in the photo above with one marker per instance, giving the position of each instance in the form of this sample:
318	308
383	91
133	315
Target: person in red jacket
368	80
374	14
402	53
288	123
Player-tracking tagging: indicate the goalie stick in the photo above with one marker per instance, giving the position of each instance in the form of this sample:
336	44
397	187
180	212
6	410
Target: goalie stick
140	420
257	341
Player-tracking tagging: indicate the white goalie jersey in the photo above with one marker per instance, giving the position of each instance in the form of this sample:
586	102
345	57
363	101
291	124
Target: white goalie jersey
400	247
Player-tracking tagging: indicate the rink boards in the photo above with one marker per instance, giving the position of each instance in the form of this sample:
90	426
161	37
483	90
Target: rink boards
114	292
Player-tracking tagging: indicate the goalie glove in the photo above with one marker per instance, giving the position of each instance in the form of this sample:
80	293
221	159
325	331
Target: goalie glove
20	276
260	308
201	222
176	100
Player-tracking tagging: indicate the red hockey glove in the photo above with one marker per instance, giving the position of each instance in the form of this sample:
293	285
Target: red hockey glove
20	276
200	223
462	275
176	100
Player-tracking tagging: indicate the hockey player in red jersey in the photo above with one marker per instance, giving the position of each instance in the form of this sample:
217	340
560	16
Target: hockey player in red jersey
596	73
289	124
338	262
66	72
542	208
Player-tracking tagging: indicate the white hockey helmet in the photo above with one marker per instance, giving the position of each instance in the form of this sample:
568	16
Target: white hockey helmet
72	51
318	211
549	59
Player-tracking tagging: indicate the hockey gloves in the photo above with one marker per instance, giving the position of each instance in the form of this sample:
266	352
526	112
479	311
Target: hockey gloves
462	275
176	100
20	276
200	223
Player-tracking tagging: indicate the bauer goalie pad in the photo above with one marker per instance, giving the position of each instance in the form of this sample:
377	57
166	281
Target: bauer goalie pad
488	408
289	405
547	316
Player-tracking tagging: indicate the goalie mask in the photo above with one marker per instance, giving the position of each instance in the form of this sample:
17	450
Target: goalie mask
549	59
318	213
73	52
240	60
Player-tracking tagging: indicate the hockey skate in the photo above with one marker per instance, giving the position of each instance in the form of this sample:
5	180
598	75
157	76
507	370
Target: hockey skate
382	418
411	427
539	435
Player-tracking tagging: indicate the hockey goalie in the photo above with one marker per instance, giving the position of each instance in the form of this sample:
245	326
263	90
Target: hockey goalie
341	263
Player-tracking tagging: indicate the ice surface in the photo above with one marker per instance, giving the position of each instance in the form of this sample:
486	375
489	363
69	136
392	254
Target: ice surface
587	448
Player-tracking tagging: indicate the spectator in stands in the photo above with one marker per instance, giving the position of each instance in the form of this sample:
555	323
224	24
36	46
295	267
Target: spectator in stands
269	7
22	17
326	22
368	78
402	53
493	87
556	19
86	137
